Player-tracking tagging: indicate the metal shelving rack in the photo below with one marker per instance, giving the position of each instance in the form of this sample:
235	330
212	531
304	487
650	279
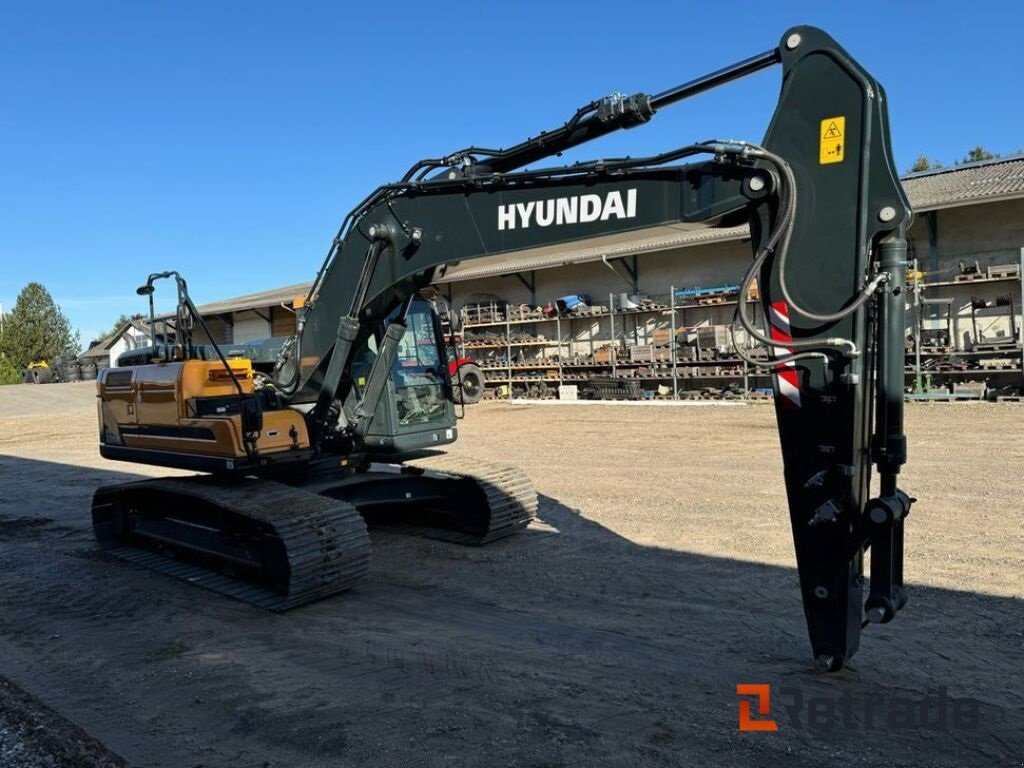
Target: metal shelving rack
670	372
565	344
915	369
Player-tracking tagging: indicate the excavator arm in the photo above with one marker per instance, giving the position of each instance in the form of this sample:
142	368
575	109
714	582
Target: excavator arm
828	222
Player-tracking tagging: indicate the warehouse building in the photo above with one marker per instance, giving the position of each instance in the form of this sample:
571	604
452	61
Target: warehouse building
967	238
255	316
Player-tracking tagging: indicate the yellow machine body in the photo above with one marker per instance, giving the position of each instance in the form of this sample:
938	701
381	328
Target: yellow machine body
187	407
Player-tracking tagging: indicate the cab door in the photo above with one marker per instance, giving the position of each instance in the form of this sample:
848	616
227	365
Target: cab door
416	411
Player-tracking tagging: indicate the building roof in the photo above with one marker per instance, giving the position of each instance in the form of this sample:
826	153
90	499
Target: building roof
986	181
140	324
594	249
272	298
100	348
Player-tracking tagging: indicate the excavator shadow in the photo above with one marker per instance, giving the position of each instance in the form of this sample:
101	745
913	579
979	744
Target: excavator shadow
580	636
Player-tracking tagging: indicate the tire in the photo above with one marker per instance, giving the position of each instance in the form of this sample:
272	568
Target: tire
42	375
471	389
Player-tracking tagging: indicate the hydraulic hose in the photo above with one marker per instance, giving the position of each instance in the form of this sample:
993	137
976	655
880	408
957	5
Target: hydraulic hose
821	317
290	387
778	242
742	355
754	333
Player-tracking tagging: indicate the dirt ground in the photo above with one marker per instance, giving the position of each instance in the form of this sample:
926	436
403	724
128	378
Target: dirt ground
613	632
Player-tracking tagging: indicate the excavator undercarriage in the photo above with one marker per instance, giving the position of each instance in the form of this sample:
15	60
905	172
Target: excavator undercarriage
279	546
345	430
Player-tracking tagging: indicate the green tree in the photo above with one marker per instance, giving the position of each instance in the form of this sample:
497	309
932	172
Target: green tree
924	164
36	329
978	154
8	373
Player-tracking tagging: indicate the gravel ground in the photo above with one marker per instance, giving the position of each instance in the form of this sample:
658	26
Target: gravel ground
611	633
34	736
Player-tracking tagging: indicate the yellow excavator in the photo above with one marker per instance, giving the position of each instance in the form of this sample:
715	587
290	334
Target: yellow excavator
346	425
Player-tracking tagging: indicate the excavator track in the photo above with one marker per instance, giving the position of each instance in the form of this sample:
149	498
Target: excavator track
271	545
506	500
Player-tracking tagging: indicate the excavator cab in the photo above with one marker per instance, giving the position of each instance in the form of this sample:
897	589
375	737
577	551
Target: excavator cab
416	410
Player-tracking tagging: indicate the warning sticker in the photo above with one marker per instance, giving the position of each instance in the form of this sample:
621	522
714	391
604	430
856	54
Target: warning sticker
832	146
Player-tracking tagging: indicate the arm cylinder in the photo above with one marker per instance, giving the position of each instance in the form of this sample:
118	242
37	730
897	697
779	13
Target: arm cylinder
574	132
715	79
891	442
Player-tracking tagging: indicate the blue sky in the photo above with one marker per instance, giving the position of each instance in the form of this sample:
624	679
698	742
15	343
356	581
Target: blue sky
227	139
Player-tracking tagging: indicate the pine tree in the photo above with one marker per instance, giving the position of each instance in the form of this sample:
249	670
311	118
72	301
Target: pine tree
36	329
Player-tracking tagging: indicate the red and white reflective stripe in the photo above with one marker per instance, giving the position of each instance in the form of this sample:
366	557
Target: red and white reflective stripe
787	381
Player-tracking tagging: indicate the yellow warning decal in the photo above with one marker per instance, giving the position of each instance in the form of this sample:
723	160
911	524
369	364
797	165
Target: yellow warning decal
833	140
